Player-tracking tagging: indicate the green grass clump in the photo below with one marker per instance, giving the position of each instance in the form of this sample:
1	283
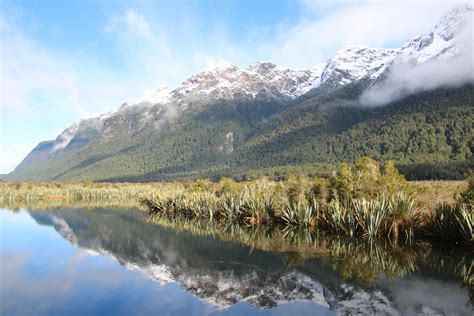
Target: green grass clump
451	223
298	214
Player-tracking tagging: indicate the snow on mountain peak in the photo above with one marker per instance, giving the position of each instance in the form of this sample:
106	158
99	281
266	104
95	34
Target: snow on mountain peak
150	97
79	129
352	63
445	40
454	22
261	68
349	64
227	80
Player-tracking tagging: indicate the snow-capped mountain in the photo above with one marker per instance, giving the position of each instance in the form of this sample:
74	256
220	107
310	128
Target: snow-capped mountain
229	81
352	63
451	36
78	132
226	81
267	80
262	89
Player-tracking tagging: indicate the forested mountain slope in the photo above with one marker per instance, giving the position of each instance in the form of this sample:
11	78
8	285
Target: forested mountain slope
414	104
434	127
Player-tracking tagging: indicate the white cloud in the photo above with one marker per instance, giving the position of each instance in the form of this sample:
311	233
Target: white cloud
405	79
28	72
379	24
455	68
53	89
147	54
130	24
35	80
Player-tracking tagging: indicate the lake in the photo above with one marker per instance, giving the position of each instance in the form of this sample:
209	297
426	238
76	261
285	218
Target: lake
112	261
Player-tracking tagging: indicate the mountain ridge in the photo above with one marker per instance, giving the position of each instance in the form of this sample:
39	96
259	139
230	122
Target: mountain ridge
254	95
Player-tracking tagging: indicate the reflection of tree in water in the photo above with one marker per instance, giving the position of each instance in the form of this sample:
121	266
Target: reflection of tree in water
327	270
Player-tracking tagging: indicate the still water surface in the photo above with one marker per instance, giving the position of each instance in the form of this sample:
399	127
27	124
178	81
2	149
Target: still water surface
111	261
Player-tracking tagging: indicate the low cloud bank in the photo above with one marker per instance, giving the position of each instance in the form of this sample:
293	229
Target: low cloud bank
404	79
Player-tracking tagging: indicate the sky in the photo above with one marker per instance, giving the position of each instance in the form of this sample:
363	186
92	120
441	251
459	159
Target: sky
64	60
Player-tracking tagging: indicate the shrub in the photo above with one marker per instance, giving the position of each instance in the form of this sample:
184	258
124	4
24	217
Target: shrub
467	197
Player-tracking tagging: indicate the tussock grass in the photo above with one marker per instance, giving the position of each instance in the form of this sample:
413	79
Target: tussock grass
451	222
394	218
364	202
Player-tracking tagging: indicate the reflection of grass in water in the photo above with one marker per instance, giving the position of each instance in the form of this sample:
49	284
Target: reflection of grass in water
446	260
351	257
364	261
354	258
69	203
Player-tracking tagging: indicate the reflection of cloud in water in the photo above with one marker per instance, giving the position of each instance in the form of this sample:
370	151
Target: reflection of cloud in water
414	295
63	228
48	283
9	217
17	271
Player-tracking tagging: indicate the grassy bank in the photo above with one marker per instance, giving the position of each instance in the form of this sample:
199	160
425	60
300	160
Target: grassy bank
45	194
364	200
42	194
361	201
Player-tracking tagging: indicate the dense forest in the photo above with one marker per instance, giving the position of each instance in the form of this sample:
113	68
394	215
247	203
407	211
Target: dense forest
428	134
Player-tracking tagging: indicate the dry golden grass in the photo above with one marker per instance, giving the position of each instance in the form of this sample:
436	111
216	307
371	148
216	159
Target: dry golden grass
15	192
431	193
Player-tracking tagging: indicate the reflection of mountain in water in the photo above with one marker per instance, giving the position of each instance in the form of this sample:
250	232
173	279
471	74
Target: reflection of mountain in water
224	273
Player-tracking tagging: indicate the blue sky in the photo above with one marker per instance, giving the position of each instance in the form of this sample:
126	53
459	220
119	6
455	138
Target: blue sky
64	60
